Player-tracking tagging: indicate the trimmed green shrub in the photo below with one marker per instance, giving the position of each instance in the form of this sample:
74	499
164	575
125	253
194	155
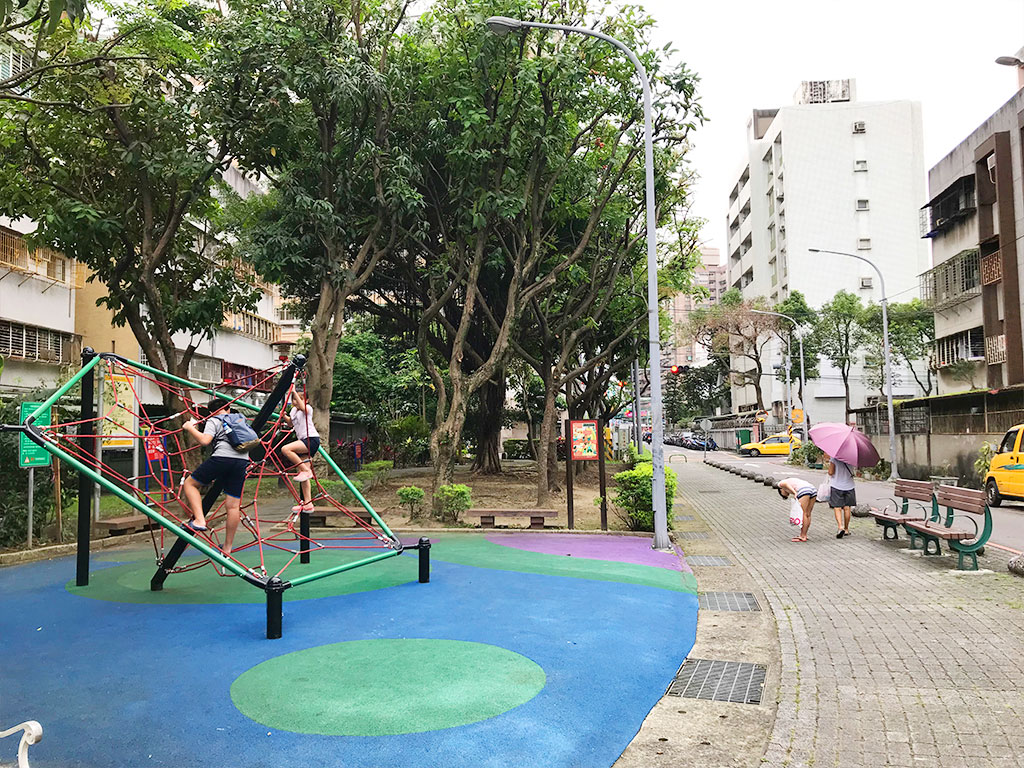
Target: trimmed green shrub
633	458
411	497
455	499
381	471
805	454
517	449
633	496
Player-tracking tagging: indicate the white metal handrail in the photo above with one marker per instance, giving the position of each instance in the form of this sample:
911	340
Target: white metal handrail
33	734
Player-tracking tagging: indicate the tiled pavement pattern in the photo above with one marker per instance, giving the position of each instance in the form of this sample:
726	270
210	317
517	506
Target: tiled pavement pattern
887	659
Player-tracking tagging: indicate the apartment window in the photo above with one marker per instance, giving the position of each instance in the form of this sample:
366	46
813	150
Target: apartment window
860	165
862	205
205	370
860	127
864	244
966	345
29	342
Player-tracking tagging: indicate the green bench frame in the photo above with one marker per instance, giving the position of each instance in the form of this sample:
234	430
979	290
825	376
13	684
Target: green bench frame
909	492
962	503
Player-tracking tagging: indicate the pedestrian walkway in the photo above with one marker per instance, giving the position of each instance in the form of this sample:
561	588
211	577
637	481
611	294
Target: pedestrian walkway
888	659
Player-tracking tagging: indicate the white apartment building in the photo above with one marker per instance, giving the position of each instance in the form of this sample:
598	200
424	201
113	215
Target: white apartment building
828	172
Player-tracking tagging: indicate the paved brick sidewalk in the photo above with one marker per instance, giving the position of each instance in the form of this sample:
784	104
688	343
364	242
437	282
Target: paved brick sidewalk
887	659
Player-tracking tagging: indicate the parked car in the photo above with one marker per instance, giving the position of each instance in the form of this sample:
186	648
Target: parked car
774	445
1005	477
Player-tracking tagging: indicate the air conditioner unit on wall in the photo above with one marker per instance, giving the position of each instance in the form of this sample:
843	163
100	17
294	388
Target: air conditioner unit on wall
860	127
866	282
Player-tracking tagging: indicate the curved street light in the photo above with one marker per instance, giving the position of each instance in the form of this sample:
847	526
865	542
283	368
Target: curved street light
503	25
894	474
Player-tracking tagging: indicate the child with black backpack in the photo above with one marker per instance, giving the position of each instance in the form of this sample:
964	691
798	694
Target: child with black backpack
232	439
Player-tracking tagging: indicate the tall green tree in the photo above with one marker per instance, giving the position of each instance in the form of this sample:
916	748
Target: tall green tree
796	307
117	162
911	334
527	144
334	75
841	331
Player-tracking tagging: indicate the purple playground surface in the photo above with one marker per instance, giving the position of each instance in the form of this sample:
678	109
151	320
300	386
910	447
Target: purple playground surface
623	549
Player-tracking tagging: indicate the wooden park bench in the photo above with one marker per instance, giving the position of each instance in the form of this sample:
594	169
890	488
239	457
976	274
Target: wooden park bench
963	539
918	494
536	515
318	517
115	526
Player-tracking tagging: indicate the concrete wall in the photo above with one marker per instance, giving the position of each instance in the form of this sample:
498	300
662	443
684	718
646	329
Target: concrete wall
923	455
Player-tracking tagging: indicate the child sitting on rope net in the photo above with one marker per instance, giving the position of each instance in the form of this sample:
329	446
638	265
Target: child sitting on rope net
300	451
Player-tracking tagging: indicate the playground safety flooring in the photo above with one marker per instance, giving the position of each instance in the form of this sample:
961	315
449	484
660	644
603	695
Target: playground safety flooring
525	649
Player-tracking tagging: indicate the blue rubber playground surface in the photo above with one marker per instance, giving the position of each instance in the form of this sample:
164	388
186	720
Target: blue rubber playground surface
523	650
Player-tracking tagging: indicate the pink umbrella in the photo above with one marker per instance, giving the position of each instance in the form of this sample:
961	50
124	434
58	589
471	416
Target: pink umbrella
843	442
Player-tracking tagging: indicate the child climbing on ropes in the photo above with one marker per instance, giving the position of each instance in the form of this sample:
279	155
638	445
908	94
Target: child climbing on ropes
232	439
301	450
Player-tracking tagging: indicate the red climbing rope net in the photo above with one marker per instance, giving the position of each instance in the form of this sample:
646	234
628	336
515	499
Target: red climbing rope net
132	409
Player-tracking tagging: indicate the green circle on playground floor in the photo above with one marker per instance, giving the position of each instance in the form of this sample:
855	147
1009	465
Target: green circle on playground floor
386	687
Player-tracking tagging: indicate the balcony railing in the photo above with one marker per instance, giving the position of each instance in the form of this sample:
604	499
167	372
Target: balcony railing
952	282
41	263
251	324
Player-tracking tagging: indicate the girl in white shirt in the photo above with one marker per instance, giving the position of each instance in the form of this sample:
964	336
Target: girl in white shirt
300	451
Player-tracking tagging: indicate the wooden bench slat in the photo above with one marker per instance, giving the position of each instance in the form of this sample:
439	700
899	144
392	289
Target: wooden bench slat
940	531
896	517
962	499
515	512
917	490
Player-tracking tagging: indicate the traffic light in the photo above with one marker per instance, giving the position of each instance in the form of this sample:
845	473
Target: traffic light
675	370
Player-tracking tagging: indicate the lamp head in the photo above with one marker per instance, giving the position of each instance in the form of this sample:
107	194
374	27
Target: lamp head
1010	61
502	25
814	250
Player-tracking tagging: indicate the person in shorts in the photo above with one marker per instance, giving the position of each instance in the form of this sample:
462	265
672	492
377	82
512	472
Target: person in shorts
301	450
805	493
842	497
226	463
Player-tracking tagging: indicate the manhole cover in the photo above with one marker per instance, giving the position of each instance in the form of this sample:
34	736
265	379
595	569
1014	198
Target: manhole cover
693	534
685	518
728	601
707	560
735	681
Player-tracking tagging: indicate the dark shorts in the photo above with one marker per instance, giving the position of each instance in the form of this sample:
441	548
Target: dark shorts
231	472
312	445
838	498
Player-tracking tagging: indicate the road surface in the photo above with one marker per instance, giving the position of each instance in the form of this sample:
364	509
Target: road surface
1007	521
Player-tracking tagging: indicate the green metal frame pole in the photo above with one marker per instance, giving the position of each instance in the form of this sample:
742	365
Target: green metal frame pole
87	443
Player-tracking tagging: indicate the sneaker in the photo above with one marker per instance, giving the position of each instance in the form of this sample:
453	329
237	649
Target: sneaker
302	477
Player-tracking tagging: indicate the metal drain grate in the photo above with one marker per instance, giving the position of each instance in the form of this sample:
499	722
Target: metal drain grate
735	681
728	601
685	518
707	560
693	534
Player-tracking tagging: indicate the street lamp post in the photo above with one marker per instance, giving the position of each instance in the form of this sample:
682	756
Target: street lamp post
885	352
803	381
502	25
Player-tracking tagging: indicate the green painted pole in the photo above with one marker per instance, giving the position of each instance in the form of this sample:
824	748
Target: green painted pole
85	369
355	492
340	568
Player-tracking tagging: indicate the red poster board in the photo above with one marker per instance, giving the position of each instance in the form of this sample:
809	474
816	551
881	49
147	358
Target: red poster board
584	439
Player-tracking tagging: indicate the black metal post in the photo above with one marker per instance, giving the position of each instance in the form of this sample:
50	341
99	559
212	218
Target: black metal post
275	607
424	548
87	444
303	537
259	421
568	473
600	472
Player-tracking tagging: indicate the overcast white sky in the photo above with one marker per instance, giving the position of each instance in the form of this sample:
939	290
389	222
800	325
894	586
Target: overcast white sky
754	54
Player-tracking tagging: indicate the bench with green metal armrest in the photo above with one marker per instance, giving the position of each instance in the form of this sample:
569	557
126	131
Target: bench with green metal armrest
965	538
916	502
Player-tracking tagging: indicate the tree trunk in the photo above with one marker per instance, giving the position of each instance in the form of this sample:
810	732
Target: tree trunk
846	391
546	447
444	444
325	330
492	411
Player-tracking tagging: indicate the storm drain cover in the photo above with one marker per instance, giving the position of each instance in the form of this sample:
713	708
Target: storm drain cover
735	681
707	560
685	518
693	534
728	601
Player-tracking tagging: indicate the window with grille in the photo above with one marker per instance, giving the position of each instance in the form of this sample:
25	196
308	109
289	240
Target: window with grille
28	342
966	345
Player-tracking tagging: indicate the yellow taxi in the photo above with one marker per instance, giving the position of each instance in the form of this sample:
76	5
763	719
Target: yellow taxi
1005	478
774	445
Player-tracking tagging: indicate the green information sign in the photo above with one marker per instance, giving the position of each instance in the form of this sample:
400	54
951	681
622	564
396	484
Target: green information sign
30	454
